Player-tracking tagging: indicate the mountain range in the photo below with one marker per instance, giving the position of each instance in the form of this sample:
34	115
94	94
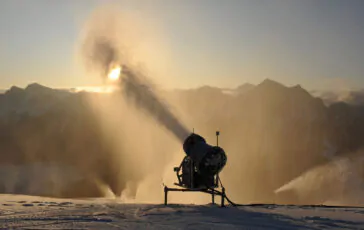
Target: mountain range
272	134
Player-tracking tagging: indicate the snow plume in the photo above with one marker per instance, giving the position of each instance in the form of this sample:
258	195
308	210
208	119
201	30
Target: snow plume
338	182
100	45
137	88
102	50
128	115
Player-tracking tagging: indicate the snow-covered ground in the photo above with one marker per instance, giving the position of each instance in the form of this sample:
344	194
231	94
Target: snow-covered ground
31	212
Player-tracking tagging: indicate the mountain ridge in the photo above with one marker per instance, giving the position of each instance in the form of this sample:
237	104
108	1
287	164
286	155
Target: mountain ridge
269	130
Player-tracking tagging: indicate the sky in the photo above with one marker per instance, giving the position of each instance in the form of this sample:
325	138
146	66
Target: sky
223	43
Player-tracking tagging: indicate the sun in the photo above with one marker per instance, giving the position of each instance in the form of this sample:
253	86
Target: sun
114	74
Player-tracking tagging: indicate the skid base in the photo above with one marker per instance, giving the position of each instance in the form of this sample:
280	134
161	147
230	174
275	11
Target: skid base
212	191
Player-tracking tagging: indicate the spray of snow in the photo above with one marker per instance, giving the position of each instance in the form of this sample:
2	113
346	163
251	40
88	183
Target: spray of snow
338	182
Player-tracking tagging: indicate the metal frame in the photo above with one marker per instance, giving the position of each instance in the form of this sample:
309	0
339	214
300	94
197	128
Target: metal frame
190	188
213	190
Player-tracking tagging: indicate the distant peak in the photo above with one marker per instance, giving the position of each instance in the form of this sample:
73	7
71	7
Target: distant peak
14	89
298	86
271	82
33	86
271	85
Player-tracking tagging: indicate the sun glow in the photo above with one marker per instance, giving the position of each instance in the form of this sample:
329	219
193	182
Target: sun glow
114	74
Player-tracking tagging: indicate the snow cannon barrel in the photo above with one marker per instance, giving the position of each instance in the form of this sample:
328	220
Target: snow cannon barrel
209	160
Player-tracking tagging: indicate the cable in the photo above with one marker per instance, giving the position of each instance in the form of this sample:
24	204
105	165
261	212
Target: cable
226	197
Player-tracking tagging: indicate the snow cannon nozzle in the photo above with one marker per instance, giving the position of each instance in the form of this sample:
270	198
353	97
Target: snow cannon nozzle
209	160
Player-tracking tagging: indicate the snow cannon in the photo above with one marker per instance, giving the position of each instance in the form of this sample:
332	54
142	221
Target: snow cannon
208	160
200	168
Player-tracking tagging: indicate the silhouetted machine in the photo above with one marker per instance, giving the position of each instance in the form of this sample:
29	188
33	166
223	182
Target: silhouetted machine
199	170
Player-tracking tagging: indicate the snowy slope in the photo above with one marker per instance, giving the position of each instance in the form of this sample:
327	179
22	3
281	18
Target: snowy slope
29	212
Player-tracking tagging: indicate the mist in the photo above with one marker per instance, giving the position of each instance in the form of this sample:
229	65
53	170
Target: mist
146	134
338	182
102	51
146	131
